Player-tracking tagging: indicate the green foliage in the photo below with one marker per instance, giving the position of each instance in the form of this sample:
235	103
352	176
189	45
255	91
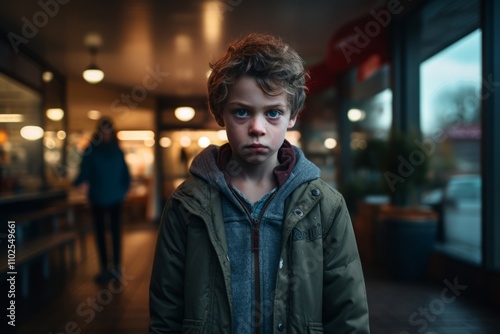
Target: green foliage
371	157
405	167
365	178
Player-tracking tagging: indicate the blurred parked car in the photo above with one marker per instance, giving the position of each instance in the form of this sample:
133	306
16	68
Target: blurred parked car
459	205
462	210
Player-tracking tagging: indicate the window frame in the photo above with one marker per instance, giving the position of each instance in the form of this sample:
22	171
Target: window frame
408	53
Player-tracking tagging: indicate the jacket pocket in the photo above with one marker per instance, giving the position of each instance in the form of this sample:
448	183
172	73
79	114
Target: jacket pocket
315	328
191	326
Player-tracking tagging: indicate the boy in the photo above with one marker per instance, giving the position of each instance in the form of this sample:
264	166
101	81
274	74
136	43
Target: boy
254	241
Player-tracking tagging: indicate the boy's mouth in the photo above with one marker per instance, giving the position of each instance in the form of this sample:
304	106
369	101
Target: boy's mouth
257	147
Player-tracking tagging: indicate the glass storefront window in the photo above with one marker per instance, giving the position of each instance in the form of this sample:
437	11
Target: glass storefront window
20	136
450	86
371	120
372	116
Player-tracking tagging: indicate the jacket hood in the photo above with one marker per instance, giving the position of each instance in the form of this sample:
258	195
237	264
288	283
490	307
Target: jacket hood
206	166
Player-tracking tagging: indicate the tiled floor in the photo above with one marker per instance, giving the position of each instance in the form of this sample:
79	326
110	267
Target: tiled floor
407	308
73	303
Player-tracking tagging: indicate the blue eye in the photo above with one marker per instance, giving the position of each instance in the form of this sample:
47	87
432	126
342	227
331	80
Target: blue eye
273	113
240	113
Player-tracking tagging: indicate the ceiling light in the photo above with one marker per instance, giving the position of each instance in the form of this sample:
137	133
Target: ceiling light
92	39
47	76
330	143
94	114
93	74
203	141
135	135
11	118
165	142
212	22
185	141
61	134
184	114
50	143
55	114
31	132
356	115
150	142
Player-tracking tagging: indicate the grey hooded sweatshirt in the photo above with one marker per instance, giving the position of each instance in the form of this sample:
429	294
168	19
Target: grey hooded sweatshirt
253	230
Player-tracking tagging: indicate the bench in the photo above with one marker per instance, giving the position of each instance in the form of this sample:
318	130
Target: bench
60	235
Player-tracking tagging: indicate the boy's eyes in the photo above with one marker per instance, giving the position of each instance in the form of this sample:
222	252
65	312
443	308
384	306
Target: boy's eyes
273	113
241	113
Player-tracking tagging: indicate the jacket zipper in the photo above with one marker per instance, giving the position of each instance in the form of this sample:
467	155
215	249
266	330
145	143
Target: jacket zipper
255	250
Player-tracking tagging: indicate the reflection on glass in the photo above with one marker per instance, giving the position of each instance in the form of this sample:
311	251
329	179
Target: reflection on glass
371	120
450	123
356	115
20	119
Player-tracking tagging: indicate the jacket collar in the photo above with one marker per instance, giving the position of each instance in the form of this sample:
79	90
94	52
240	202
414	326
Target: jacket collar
287	158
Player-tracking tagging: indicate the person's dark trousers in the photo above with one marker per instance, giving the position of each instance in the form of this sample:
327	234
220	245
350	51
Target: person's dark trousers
100	213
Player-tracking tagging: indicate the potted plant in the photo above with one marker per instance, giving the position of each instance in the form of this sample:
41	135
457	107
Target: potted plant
365	195
406	231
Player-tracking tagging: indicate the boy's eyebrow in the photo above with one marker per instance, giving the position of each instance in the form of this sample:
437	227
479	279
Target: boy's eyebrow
249	106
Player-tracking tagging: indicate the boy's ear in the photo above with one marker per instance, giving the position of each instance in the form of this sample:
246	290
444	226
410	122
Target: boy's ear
219	120
292	121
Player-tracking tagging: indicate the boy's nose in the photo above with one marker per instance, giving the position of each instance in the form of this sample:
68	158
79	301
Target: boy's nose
257	126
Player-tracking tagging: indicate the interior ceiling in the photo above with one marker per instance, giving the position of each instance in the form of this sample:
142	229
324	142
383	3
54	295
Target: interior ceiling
176	38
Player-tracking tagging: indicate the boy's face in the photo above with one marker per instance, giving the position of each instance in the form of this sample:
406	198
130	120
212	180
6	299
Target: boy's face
255	122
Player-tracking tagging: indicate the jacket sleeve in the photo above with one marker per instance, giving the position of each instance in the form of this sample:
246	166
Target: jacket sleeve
345	307
166	291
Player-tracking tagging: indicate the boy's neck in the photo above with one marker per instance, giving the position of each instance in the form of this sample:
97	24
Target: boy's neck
255	181
255	173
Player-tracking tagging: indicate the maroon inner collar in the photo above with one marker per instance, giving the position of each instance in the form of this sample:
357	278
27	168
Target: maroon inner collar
286	157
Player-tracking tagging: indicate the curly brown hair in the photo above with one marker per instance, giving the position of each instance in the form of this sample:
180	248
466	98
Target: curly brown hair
273	63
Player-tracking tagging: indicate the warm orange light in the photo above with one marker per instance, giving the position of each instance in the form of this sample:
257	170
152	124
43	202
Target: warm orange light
3	137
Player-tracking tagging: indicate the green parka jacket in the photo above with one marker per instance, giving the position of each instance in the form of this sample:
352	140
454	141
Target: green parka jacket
320	286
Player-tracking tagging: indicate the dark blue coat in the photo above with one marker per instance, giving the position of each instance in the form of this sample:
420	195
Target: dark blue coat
103	167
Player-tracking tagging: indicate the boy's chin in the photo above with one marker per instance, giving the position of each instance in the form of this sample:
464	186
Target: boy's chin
257	159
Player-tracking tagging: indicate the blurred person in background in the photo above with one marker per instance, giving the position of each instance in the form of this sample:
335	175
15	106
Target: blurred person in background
105	178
